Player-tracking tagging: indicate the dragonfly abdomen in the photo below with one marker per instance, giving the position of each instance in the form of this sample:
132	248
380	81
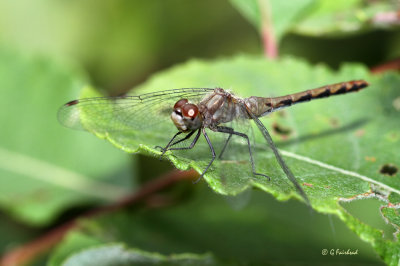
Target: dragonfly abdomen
322	92
267	105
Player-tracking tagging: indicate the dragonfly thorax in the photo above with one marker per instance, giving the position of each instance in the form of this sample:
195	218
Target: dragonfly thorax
186	116
221	107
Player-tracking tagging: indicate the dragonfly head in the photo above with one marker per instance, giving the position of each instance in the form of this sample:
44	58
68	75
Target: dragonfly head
186	116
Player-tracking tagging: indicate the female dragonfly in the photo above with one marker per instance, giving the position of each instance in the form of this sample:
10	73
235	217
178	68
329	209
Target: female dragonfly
192	111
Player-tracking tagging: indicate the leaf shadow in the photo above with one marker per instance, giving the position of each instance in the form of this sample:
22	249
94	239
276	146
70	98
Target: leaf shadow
351	126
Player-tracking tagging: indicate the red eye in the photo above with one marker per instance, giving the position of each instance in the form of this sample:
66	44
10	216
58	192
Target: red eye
190	110
180	103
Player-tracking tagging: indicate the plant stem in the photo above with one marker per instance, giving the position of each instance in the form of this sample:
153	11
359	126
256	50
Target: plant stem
267	31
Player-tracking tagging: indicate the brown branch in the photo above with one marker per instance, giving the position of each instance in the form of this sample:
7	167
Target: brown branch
391	65
28	252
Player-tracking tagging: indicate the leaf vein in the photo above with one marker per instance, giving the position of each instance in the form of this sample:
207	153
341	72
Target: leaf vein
337	169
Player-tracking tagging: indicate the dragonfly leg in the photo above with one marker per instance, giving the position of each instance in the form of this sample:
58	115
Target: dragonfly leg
196	138
212	152
278	157
183	139
225	145
231	132
164	150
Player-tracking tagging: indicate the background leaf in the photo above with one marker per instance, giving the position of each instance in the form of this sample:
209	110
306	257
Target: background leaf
340	18
40	172
257	11
117	254
83	249
314	17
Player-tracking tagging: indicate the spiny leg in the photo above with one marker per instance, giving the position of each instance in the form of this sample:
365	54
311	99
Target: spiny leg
212	152
231	132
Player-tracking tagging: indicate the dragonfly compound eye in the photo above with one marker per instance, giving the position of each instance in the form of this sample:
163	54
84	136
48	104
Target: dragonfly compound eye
180	103
190	111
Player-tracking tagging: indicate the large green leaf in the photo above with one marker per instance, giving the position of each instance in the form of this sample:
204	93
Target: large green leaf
44	167
338	148
313	17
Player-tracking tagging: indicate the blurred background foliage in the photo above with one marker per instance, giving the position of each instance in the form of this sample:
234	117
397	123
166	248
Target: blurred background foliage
120	43
115	45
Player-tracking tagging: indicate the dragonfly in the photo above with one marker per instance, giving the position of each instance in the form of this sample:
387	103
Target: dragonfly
193	111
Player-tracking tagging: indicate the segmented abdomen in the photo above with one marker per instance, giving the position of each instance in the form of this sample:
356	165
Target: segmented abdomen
261	106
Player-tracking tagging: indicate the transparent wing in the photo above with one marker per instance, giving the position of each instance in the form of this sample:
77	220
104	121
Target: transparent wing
124	113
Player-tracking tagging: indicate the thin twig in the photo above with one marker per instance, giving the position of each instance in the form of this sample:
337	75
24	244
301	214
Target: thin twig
28	252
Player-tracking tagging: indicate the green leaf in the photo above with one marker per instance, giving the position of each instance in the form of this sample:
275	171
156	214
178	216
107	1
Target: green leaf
80	249
44	167
284	14
336	147
116	254
313	17
338	18
263	232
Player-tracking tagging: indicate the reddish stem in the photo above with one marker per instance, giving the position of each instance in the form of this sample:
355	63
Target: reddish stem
267	31
391	65
30	251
